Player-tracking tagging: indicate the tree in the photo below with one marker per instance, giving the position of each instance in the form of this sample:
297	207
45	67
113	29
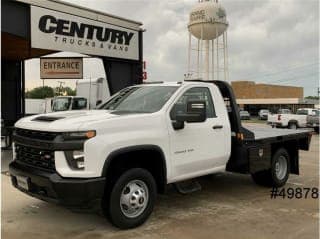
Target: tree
40	93
70	91
48	92
312	97
65	91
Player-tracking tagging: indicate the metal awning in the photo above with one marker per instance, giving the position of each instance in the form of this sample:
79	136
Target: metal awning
80	11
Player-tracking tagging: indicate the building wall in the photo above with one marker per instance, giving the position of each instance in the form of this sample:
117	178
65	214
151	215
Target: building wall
251	90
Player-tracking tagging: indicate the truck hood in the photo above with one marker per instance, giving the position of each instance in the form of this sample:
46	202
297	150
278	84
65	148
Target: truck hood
63	121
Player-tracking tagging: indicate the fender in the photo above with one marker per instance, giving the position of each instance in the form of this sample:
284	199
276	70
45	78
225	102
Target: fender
129	149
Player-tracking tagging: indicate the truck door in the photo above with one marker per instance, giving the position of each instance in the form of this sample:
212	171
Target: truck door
199	147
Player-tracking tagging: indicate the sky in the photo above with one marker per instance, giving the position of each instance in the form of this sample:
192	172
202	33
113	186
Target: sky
269	41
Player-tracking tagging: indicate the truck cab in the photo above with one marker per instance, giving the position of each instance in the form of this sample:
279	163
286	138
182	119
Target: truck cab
65	103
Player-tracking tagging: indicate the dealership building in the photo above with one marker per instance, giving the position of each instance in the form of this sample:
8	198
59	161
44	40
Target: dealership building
34	28
253	96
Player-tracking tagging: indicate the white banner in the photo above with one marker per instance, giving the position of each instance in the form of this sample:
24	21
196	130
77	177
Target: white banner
63	32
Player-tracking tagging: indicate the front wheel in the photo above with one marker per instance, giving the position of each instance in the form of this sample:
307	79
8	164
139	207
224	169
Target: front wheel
278	174
132	198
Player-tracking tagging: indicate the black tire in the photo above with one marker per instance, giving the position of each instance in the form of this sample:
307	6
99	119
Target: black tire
269	177
316	129
111	203
292	125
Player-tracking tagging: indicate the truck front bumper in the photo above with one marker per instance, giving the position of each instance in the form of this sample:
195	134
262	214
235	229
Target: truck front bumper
51	187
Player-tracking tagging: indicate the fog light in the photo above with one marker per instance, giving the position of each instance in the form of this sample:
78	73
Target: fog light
80	164
78	157
78	154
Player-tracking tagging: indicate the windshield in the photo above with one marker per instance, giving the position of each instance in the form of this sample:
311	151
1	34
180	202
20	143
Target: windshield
146	99
302	112
61	104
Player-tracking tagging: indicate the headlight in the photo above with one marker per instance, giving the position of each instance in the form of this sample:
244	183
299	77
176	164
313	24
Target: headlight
79	135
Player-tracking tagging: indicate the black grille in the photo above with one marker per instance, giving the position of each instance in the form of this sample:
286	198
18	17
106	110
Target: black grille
42	135
43	159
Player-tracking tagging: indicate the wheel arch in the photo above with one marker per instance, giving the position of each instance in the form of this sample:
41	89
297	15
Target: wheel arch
293	122
125	158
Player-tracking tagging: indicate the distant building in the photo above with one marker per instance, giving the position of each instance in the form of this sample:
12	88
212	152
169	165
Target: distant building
253	96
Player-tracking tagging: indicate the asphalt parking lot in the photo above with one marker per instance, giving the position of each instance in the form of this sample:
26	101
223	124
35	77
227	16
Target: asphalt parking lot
228	206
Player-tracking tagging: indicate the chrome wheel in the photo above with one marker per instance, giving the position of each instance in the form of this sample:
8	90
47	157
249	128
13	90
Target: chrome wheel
281	167
134	198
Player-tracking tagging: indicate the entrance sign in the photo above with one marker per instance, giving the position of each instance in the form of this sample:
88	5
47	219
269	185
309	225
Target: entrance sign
61	68
60	31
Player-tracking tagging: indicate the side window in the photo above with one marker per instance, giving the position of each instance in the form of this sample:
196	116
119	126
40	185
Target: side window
79	104
196	93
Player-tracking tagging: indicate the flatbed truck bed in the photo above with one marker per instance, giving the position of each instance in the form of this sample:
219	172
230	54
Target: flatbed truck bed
266	133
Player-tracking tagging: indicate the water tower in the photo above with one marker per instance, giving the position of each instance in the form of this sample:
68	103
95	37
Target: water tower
208	55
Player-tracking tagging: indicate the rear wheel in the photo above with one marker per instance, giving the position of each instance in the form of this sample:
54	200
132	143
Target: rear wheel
292	125
278	174
132	198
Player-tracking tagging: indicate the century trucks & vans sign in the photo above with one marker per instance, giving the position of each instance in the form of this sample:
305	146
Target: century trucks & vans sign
64	32
61	68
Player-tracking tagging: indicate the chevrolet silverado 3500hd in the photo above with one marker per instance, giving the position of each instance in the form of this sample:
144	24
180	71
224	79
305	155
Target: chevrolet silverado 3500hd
140	140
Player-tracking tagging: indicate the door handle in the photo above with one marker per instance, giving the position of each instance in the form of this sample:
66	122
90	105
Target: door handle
217	127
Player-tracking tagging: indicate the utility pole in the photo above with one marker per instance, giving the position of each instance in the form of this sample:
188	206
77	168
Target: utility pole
60	87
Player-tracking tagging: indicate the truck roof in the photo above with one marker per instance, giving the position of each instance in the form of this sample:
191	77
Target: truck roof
172	83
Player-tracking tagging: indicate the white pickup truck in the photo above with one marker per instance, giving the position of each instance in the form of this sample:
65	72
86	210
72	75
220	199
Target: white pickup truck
142	139
291	121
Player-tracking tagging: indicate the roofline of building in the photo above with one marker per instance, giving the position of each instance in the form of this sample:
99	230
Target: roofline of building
262	83
81	11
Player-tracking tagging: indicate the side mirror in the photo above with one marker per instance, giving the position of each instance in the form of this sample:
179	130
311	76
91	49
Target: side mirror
196	112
